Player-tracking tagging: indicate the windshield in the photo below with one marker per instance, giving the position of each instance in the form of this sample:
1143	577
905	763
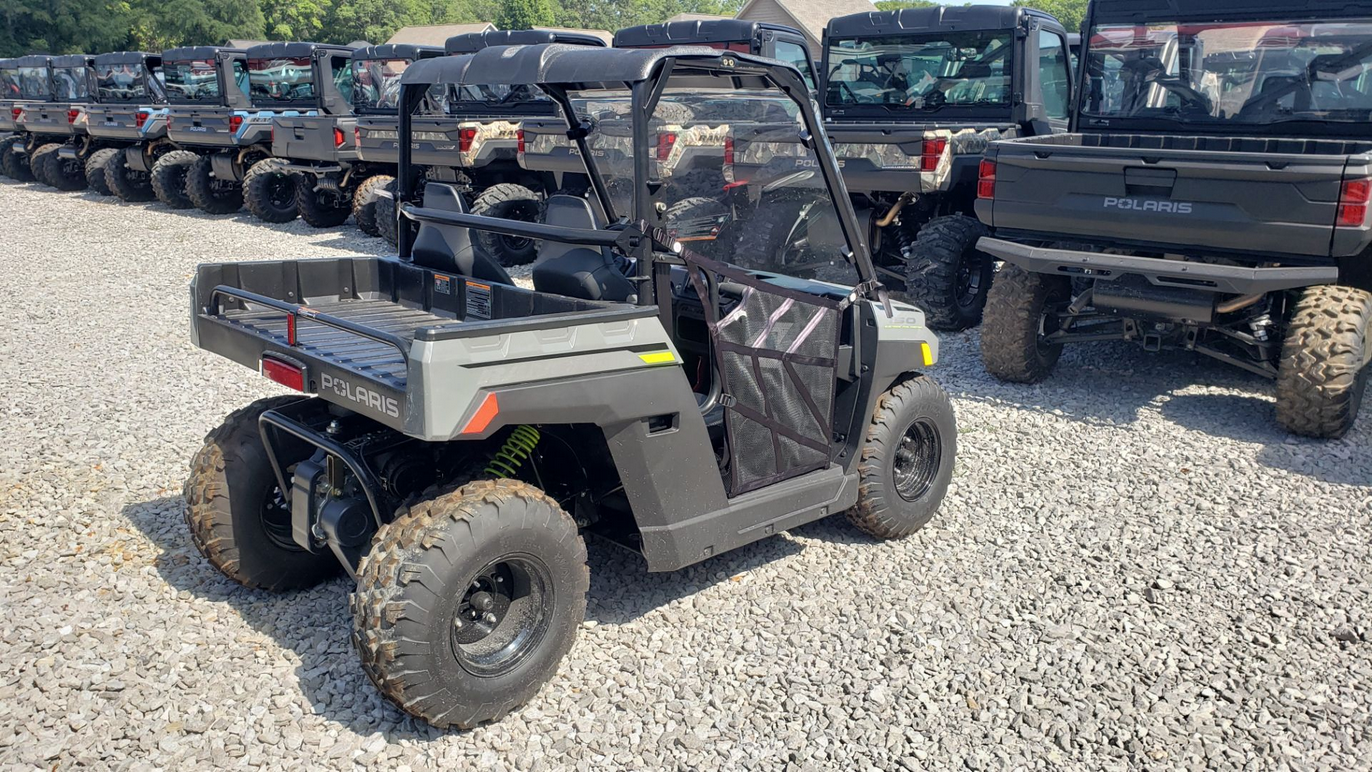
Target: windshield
467	97
376	83
120	83
70	84
195	81
280	80
33	83
921	72
1236	73
780	218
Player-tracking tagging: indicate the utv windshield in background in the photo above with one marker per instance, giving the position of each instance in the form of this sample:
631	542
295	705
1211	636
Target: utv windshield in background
280	80
196	81
1234	73
921	72
69	84
33	83
467	98
376	83
120	83
9	84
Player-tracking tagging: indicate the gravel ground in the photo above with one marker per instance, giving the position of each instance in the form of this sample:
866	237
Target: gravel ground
1134	568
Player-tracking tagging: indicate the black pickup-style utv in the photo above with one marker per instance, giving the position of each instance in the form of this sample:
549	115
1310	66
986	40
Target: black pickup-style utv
469	137
24	79
126	124
317	155
50	124
1214	198
912	98
462	435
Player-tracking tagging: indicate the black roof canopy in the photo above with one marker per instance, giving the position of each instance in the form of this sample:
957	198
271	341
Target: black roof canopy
471	42
33	60
397	51
915	21
700	32
563	65
1144	11
292	50
197	53
125	57
72	60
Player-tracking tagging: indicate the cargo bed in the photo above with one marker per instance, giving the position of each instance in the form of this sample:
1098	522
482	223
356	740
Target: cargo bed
369	333
1248	198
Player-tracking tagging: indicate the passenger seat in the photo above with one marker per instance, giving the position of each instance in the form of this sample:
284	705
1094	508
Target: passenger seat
449	247
577	271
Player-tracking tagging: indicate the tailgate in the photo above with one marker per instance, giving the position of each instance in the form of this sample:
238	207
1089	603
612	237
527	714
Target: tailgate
198	126
1248	202
911	158
44	118
314	138
114	121
378	139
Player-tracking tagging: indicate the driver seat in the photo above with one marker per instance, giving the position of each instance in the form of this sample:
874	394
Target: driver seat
574	270
449	247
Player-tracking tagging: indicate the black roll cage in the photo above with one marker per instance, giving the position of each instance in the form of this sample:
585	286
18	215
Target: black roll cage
633	234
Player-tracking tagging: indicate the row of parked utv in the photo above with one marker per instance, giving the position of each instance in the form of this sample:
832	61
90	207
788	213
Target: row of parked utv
1198	183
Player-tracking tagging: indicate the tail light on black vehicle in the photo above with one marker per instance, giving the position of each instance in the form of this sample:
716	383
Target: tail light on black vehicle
986	179
288	374
665	142
1354	198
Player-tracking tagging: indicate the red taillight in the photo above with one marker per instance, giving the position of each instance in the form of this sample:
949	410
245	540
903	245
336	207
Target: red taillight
235	122
465	137
16	112
357	136
519	141
932	154
665	142
728	151
986	179
288	375
141	117
338	138
72	115
1353	201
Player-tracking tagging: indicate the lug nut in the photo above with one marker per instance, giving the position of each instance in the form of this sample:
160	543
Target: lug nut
457	624
489	618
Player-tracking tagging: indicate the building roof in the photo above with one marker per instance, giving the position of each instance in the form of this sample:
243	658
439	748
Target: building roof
810	16
436	34
695	17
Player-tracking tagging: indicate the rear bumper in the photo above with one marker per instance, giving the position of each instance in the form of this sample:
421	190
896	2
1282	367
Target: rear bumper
1202	277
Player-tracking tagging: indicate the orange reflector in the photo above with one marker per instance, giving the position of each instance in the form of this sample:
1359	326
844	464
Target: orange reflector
490	407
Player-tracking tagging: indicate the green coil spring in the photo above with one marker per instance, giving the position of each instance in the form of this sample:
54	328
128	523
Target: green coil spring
518	446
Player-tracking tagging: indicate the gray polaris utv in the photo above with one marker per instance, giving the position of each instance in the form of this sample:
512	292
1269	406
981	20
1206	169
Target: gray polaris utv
316	155
460	436
469	137
207	96
126	124
1214	198
911	100
228	141
23	80
51	125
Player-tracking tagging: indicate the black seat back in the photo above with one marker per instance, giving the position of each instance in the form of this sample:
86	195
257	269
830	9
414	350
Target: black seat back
450	247
573	270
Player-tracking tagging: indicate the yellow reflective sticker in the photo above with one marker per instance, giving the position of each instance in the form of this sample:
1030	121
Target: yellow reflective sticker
928	354
659	358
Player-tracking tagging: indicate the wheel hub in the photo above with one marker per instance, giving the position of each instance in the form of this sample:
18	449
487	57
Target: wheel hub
917	460
502	615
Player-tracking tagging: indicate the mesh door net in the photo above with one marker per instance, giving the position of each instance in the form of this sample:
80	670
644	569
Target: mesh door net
776	352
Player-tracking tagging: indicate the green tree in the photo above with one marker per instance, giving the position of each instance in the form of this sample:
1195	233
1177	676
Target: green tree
525	14
162	24
373	20
63	26
1069	12
896	5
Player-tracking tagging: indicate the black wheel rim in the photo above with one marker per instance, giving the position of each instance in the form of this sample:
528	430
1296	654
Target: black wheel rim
280	191
520	244
917	459
970	281
503	615
276	519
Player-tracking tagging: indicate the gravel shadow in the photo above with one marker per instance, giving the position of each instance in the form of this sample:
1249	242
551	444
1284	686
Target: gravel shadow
315	623
1252	419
